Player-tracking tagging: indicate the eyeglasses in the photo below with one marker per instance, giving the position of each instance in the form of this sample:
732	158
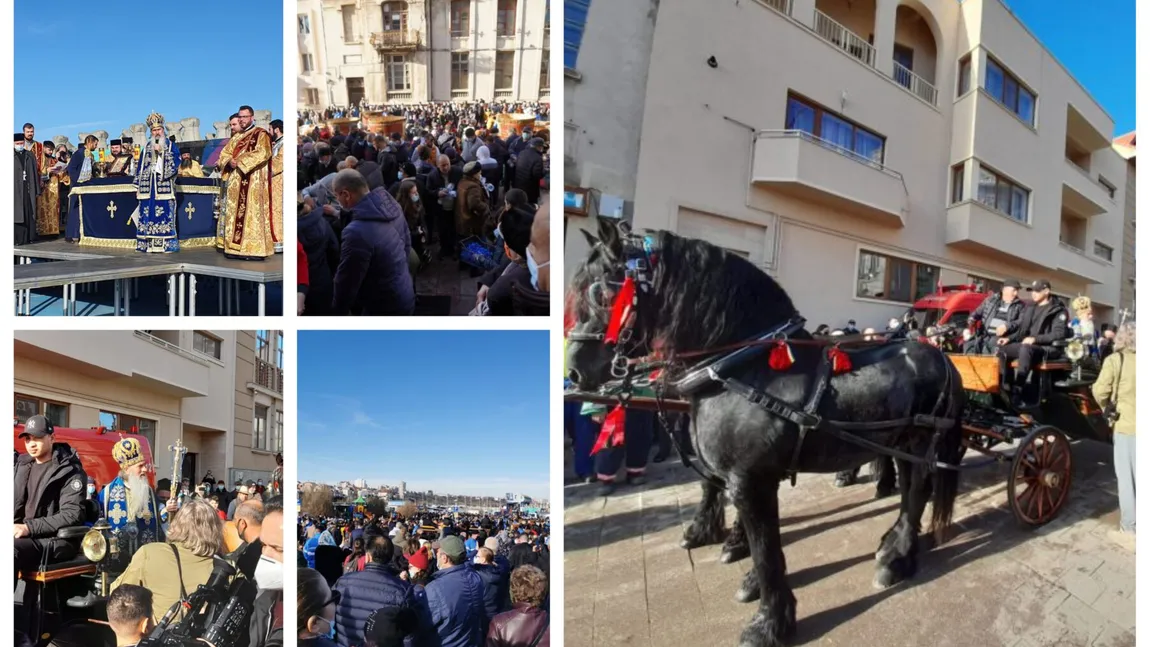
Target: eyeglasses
334	599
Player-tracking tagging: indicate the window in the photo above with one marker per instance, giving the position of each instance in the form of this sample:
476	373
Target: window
574	23
545	73
1110	188
397	80
304	23
1003	195
459	70
278	442
964	75
202	343
260	427
394	16
506	18
957	177
547	23
349	33
459	16
894	279
835	130
312	96
125	422
504	65
306	63
28	406
1009	91
1104	252
270	346
984	284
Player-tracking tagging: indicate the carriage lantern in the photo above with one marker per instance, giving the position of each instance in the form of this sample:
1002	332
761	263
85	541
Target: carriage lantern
101	545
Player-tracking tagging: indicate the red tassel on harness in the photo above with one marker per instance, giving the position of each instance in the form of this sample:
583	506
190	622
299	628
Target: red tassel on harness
840	361
620	311
611	434
781	357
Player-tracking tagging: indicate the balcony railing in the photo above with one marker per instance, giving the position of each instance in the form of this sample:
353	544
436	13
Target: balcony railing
829	145
503	94
172	348
399	95
395	39
460	94
915	83
781	6
843	38
269	376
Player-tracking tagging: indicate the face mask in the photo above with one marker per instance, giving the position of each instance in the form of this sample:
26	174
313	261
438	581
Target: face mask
330	635
499	232
415	197
269	573
91	489
534	269
400	175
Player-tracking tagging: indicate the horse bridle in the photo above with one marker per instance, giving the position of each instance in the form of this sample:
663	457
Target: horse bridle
620	332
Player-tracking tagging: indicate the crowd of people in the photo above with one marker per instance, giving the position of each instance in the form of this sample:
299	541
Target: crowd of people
168	542
428	115
438	578
376	211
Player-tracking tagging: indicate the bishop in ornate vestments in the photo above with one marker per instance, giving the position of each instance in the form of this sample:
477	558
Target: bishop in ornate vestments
129	502
245	163
155	217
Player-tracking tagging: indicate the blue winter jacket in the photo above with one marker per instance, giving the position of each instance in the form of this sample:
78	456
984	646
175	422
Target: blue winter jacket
365	591
373	276
496	590
455	599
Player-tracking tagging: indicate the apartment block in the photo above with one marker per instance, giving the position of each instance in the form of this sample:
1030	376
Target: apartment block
1127	147
220	392
864	151
422	50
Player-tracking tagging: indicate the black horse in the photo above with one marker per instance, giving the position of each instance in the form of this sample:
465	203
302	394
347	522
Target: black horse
692	296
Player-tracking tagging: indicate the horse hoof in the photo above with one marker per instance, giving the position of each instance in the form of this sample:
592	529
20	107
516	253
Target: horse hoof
745	595
883	492
886	577
766	631
732	554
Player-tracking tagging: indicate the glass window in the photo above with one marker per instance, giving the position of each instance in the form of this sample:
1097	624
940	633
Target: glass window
459	70
545	73
397	73
899	279
957	176
206	345
894	279
1101	251
868	145
504	65
871	276
1025	105
304	23
925	280
1010	93
574	22
964	76
459	17
800	116
28	406
994	80
260	427
349	34
837	132
987	188
307	65
1019	203
394	16
505	18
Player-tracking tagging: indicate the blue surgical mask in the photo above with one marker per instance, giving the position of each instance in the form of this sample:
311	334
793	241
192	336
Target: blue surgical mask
534	269
400	174
415	197
330	635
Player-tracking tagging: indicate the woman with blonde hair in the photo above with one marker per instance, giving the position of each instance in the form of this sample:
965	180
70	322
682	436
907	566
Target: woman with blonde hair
1115	392
173	569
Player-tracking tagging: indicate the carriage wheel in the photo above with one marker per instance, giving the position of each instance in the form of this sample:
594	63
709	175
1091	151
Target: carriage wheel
1040	475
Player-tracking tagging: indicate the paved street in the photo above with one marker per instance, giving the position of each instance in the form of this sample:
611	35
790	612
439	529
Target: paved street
991	584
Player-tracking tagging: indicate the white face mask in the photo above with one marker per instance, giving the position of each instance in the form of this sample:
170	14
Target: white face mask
269	573
534	269
415	197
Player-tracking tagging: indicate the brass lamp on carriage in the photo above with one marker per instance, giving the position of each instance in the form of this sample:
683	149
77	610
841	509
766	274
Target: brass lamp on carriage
101	545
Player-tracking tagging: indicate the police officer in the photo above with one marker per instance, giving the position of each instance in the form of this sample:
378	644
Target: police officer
1030	340
997	312
50	489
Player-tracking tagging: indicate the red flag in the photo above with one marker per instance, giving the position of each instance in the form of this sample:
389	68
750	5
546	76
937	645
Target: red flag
611	434
620	310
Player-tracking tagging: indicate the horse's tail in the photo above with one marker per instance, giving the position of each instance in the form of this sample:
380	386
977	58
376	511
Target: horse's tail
950	451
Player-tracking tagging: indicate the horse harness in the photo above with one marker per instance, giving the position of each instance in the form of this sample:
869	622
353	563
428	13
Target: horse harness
619	333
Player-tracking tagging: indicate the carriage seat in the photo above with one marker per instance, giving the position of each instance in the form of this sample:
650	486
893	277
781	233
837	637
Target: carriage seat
78	565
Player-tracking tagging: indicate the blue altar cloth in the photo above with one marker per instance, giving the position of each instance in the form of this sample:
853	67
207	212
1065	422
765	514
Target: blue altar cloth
100	211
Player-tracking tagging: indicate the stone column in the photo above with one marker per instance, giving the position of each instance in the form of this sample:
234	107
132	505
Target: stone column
62	140
262	119
222	129
191	128
884	24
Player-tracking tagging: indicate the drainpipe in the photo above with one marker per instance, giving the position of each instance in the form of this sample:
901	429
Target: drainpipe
471	65
517	64
430	51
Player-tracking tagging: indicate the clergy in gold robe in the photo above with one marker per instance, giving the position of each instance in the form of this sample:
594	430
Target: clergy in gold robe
189	167
245	165
277	128
121	162
48	209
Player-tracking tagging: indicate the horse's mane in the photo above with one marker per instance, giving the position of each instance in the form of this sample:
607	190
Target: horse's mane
709	297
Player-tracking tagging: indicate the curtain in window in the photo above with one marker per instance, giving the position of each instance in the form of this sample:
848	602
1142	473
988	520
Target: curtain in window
1018	203
987	188
900	275
868	146
837	132
800	116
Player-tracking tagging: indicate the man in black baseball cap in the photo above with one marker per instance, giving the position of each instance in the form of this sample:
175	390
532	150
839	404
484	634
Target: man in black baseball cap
996	313
1031	341
49	495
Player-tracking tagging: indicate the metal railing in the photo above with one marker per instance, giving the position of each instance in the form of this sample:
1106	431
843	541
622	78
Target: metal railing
269	376
915	83
172	348
394	39
843	38
399	95
781	6
829	145
460	94
503	94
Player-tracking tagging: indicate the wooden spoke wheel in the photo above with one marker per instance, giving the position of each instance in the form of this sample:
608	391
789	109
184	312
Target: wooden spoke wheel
1040	476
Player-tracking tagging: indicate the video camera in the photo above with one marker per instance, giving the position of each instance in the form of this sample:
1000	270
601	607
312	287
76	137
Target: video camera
218	613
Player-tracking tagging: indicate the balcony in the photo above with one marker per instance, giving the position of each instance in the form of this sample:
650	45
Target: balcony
844	39
1081	194
1077	262
973	226
915	83
395	41
269	376
796	163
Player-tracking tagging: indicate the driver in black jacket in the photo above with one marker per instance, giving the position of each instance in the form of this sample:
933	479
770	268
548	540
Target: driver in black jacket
50	491
997	312
1030	340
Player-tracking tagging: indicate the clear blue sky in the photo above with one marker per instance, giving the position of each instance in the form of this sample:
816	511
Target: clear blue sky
1095	41
85	66
459	412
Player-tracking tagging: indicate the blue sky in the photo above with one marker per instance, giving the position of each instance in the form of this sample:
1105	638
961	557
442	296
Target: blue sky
1095	41
460	412
79	65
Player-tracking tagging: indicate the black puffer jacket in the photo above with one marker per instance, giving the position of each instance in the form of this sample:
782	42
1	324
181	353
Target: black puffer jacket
1046	323
322	249
59	501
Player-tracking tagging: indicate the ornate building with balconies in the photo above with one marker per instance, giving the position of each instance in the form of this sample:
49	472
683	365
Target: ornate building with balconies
412	51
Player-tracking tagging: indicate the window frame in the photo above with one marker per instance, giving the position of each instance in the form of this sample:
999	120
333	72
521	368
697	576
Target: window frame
1109	258
819	111
889	262
965	74
353	37
260	436
199	334
957	182
574	24
1109	187
1009	78
389	63
459	18
150	435
303	24
461	64
510	74
545	72
1002	181
306	63
505	18
42	407
389	9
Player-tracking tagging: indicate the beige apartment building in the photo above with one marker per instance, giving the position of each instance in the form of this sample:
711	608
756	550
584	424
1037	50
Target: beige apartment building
1127	147
421	50
859	151
221	392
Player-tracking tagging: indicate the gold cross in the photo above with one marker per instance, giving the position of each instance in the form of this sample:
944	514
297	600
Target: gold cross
189	209
117	514
112	209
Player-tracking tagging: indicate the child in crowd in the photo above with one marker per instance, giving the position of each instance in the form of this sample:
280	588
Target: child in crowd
130	614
